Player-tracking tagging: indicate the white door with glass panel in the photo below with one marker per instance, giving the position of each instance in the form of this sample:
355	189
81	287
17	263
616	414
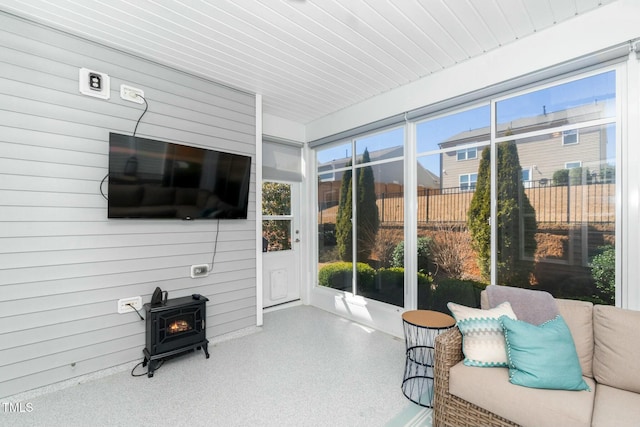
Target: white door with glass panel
280	243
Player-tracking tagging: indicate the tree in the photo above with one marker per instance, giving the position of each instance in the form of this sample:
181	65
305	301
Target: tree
344	230
480	213
367	220
516	221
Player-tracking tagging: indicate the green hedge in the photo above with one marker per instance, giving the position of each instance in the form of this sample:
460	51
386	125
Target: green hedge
392	277
338	275
465	292
431	296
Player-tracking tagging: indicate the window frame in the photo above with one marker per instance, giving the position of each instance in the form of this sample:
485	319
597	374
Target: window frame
471	183
570	132
466	152
577	162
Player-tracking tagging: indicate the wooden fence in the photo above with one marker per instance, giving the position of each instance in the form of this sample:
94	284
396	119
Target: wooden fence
565	204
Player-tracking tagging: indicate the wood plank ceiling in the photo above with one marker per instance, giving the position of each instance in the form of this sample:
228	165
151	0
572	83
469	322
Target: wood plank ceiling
308	58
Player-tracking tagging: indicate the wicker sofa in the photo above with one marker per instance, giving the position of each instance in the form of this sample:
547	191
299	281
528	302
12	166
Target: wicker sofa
608	345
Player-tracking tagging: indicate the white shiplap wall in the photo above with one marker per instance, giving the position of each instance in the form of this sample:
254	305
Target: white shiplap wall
63	265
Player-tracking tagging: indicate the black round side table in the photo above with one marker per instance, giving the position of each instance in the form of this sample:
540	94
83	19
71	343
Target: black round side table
420	330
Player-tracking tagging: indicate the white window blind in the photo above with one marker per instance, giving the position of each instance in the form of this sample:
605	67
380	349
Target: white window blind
281	161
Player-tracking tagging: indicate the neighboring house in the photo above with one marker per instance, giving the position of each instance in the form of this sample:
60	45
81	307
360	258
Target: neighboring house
540	156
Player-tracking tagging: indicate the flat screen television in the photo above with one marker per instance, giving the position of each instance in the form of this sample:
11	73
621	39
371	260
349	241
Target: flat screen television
157	179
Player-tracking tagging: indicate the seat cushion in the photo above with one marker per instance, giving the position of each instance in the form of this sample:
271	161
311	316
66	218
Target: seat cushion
490	389
615	407
579	317
615	356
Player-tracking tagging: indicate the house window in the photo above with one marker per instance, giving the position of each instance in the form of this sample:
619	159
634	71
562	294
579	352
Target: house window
468	154
572	165
326	173
570	137
468	181
526	177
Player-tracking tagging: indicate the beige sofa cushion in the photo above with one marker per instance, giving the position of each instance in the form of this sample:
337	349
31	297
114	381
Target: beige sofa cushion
490	389
615	357
615	407
579	318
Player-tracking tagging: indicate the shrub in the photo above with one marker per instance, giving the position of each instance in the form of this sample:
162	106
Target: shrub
391	277
579	176
338	275
385	245
573	176
603	270
560	177
465	292
424	244
425	280
450	249
394	278
608	174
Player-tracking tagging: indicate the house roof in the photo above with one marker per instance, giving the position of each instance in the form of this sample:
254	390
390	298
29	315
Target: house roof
425	177
547	119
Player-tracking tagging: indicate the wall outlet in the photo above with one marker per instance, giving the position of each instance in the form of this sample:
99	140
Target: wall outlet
123	306
201	270
94	83
133	94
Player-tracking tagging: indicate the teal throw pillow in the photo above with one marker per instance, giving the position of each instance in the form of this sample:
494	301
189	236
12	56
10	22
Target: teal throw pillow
542	356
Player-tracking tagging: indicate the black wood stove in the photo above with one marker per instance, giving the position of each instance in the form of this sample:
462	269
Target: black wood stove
174	326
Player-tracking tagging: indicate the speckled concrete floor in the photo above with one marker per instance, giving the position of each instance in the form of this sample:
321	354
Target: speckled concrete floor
304	367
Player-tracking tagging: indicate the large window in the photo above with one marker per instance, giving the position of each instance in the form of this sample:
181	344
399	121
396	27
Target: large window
546	220
361	217
559	237
445	188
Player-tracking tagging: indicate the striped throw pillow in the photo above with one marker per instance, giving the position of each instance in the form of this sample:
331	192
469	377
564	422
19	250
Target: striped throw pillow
483	341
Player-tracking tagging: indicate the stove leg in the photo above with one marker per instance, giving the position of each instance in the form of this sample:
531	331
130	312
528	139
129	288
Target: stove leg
206	350
152	367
